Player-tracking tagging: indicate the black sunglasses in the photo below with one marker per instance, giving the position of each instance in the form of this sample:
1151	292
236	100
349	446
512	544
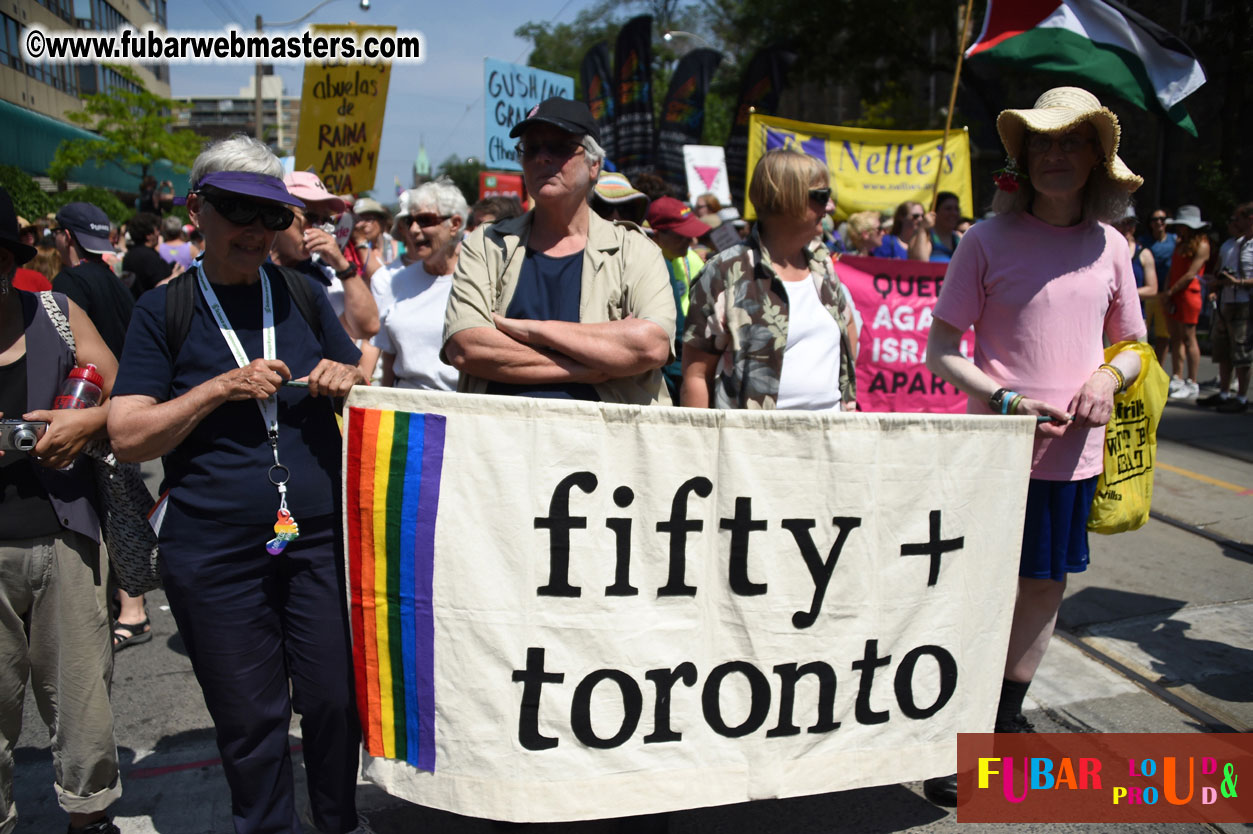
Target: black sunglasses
557	148
427	220
243	212
820	195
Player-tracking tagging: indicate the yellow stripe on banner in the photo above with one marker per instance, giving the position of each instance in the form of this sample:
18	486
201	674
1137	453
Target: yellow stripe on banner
1205	479
382	460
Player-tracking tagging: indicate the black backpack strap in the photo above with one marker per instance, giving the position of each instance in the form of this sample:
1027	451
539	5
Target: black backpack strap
301	291
180	304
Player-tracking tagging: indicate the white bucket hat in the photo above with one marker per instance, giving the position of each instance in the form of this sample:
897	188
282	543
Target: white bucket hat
1058	110
1189	216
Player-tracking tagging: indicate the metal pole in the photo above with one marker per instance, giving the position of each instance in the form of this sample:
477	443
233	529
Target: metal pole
952	100
259	104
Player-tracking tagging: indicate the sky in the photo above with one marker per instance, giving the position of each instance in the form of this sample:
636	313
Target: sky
438	102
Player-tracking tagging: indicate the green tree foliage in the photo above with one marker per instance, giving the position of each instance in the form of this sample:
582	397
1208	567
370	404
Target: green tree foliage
134	133
560	47
464	173
29	200
102	198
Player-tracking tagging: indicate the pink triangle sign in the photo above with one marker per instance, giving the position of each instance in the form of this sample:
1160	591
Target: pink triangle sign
707	174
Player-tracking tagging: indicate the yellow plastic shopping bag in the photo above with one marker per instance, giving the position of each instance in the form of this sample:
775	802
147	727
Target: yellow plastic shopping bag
1124	491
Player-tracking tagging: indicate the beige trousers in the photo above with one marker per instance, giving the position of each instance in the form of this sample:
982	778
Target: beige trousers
54	630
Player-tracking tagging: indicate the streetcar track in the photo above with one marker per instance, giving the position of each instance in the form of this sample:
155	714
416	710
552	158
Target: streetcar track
1214	721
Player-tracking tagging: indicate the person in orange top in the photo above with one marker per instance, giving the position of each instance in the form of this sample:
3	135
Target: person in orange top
1182	299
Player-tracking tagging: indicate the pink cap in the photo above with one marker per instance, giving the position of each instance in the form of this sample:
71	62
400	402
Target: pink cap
308	187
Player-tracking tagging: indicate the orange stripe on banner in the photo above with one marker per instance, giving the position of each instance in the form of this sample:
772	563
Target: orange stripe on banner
373	729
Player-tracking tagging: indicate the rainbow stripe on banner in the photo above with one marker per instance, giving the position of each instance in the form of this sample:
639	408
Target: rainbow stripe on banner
394	463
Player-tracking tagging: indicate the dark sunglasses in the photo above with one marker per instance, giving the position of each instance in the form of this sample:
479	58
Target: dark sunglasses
426	221
1157	219
243	212
820	195
556	148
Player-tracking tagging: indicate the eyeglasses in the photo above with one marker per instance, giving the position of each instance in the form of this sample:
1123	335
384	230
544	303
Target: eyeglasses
917	216
556	148
1157	218
243	212
427	220
1069	143
819	195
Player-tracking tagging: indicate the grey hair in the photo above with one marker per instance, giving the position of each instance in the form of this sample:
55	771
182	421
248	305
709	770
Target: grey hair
443	195
171	227
238	153
592	150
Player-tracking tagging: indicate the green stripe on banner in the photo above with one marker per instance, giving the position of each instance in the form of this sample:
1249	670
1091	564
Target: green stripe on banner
1100	67
395	502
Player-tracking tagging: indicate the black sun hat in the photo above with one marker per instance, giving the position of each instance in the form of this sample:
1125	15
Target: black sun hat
567	114
9	238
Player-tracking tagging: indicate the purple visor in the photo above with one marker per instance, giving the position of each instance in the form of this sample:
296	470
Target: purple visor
253	185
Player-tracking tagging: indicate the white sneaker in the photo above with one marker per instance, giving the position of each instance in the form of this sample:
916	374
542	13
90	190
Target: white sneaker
1176	385
1194	389
1185	391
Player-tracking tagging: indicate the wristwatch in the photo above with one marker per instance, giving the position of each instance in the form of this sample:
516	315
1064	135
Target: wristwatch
347	272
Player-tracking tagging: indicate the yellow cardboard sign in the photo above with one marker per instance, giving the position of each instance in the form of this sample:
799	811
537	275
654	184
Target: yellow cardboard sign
341	117
870	169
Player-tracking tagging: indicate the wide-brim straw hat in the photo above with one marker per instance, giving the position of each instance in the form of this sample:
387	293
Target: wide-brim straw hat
1189	216
1060	109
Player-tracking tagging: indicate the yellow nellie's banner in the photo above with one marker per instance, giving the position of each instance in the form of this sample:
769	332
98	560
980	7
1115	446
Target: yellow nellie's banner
341	116
870	169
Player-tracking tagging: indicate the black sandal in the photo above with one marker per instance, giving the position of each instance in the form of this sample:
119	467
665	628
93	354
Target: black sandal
135	633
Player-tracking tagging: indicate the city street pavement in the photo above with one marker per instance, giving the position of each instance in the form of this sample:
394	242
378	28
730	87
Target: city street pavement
1157	636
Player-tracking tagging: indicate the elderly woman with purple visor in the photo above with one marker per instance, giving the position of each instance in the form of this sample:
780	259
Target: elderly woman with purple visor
250	540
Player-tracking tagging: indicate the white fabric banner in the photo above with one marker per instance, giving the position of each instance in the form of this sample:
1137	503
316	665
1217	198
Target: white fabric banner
645	609
706	167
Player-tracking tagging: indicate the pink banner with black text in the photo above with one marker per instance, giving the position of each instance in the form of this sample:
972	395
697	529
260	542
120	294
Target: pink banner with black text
894	299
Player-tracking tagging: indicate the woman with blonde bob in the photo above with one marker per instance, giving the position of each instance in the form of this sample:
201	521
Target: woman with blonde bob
863	233
1043	283
787	298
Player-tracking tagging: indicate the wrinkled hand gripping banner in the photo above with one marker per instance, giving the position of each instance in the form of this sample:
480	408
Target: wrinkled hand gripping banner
567	610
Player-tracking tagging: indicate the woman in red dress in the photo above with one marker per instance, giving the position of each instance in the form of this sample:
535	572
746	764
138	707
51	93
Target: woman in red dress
1182	299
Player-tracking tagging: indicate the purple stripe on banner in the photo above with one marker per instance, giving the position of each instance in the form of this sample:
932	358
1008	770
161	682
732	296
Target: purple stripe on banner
408	633
424	565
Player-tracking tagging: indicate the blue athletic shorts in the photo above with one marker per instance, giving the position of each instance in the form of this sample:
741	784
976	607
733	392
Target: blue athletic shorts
1055	535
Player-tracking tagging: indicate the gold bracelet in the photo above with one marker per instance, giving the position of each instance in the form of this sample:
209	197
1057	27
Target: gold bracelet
1119	380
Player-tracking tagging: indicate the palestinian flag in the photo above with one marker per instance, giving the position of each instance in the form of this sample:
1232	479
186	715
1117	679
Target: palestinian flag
1100	45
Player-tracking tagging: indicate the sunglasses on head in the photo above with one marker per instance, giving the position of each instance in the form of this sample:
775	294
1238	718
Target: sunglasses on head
556	148
243	212
819	195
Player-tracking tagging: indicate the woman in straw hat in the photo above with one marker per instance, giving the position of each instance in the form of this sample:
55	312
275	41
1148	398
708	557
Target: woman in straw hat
1042	283
1182	298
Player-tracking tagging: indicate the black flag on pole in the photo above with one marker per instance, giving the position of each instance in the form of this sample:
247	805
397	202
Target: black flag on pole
633	96
759	89
683	116
597	85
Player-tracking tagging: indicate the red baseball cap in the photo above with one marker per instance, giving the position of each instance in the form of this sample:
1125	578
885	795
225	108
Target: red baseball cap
666	214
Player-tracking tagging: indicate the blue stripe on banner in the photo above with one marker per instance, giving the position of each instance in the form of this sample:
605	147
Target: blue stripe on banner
408	539
424	567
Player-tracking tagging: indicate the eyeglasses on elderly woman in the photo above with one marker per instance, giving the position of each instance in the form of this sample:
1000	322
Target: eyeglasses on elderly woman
243	212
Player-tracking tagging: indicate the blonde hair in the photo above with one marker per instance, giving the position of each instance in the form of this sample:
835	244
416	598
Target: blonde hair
1104	199
781	182
856	227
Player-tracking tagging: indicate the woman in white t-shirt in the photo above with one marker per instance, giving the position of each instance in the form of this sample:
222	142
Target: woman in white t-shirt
411	298
1043	284
790	344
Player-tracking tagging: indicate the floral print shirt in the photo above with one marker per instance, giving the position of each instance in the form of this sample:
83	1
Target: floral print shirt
738	311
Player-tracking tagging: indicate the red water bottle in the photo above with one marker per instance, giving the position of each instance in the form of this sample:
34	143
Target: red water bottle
81	389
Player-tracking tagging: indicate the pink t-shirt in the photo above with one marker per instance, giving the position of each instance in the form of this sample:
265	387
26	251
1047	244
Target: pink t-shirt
1040	297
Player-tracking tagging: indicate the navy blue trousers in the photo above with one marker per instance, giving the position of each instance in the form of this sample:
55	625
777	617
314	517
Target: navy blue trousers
251	622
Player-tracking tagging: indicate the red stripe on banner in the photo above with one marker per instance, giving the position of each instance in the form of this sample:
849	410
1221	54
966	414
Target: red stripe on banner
352	500
372	725
1007	18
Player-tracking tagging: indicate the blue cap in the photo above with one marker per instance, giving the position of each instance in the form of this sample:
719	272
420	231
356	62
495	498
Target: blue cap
89	224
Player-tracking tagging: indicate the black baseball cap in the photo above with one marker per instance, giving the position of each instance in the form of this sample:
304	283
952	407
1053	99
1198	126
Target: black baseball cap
567	114
89	224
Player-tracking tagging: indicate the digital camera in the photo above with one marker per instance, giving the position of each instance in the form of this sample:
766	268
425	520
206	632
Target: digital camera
20	435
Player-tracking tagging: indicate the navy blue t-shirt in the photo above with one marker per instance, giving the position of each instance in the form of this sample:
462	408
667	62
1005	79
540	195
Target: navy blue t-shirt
219	470
549	289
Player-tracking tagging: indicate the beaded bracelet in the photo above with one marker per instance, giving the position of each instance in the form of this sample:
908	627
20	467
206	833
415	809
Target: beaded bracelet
1120	381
